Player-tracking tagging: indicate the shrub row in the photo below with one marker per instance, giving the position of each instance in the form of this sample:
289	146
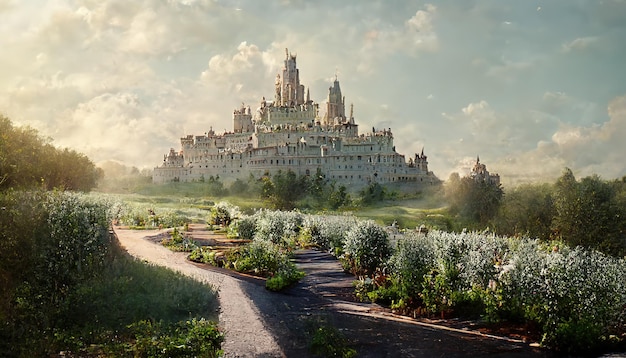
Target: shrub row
576	297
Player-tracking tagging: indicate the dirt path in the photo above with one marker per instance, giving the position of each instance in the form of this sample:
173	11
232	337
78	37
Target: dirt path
259	323
245	333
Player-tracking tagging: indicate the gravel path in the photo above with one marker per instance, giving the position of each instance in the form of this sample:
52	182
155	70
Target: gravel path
245	333
260	323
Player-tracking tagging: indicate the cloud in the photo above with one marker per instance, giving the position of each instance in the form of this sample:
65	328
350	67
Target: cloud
586	149
417	35
579	44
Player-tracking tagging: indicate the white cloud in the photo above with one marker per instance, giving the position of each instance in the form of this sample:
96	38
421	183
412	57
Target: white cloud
579	44
417	35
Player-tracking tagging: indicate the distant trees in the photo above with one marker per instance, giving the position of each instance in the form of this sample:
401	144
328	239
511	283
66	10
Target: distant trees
528	210
285	189
28	160
590	212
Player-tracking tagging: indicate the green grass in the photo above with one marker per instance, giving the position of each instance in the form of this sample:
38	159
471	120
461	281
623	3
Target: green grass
408	214
189	200
132	299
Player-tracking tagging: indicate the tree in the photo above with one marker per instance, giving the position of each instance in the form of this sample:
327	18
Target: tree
284	189
587	213
474	201
338	197
28	160
373	193
527	210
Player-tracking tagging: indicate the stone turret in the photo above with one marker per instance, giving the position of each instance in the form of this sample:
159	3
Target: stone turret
335	105
242	120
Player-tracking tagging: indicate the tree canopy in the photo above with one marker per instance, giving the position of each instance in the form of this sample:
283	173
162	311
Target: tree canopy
29	160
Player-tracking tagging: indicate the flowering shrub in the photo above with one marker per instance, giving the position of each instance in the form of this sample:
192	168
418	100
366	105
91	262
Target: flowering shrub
145	215
244	228
278	227
576	297
366	248
223	213
328	232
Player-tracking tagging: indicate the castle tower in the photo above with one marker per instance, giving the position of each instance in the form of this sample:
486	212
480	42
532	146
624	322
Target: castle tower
292	92
242	120
335	105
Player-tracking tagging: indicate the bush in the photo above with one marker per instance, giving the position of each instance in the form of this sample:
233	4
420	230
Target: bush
366	248
279	227
223	214
179	242
576	297
245	227
328	231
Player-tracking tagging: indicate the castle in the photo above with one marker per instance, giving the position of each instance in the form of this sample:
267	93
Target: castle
289	134
480	174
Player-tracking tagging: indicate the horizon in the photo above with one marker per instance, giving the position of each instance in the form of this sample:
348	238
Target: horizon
530	87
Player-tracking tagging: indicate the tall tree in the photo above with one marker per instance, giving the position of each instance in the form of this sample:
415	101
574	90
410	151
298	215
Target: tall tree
588	213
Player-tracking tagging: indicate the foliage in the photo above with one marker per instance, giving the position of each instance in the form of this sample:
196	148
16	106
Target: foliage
223	213
28	160
245	227
146	338
328	341
590	212
366	248
145	215
66	287
280	227
587	213
373	193
284	278
213	186
179	242
283	189
327	232
474	201
576	297
527	210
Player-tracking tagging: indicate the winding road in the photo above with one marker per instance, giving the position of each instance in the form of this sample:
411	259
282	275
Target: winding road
260	323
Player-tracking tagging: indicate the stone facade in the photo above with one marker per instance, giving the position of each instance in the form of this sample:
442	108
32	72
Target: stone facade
288	134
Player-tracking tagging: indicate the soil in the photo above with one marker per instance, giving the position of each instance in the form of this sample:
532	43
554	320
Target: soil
261	323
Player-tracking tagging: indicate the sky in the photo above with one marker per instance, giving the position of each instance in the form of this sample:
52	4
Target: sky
530	86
